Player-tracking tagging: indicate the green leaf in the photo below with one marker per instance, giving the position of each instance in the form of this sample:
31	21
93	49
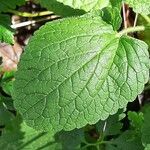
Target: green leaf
112	16
145	34
10	135
7	102
6	35
7	87
7	81
5	20
139	6
128	140
136	119
70	140
7	4
5	115
35	140
131	138
147	147
60	9
110	147
116	3
146	126
81	72
86	5
17	135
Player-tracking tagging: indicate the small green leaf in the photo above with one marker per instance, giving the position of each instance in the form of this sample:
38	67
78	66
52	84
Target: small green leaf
6	35
7	87
112	16
7	81
86	5
139	6
128	140
86	73
136	119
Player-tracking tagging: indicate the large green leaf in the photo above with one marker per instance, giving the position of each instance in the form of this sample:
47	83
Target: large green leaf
6	35
60	9
86	5
139	6
76	71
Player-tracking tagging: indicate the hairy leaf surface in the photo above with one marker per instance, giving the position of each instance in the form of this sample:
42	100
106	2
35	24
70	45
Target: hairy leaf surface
76	71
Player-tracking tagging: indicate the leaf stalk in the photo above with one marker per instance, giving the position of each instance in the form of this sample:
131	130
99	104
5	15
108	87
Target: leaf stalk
131	30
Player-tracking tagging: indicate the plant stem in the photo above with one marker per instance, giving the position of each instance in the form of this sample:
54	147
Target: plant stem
124	15
30	22
130	30
26	14
135	20
146	18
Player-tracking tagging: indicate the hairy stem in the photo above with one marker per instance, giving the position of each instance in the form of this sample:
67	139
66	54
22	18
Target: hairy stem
131	29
